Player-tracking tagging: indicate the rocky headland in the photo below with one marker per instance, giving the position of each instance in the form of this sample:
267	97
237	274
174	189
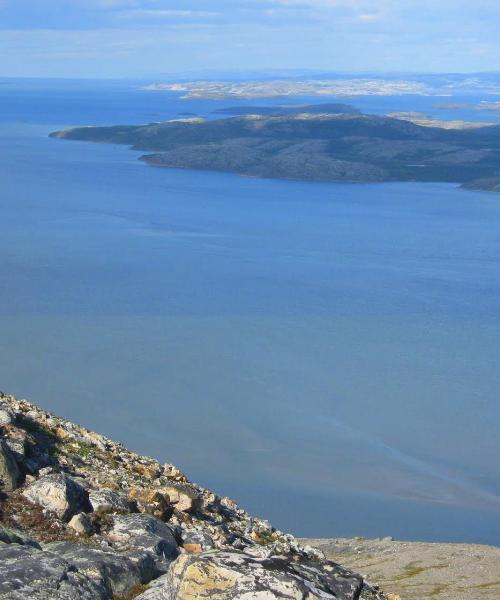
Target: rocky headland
331	142
83	518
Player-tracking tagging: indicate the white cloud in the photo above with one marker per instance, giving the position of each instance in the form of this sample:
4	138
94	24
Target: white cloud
167	13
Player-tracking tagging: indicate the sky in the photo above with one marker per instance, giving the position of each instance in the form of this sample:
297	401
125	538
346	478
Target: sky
146	38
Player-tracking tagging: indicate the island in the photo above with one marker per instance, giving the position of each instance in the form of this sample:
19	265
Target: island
328	144
288	87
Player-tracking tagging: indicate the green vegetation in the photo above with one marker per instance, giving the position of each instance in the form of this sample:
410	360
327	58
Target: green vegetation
413	570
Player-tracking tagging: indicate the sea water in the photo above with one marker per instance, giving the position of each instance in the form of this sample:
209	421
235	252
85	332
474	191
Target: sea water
326	354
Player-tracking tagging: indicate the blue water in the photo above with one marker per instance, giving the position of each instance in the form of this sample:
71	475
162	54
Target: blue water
327	354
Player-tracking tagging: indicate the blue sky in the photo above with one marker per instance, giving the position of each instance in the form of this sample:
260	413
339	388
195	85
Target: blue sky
134	38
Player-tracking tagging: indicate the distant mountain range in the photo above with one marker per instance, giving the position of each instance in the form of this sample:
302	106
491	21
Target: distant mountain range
332	142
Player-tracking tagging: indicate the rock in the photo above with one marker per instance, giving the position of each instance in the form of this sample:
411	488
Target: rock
194	540
183	497
45	471
146	533
192	548
17	448
11	536
81	523
7	415
156	589
226	575
104	501
59	494
9	471
117	573
173	473
27	573
151	501
147	472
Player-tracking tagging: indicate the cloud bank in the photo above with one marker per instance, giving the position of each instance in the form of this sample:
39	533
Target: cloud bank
167	36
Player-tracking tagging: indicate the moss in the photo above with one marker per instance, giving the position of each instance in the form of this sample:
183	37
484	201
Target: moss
265	538
83	450
19	513
488	586
413	570
437	591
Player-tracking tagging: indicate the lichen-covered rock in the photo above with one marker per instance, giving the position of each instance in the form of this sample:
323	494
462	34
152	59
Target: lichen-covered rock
9	471
183	497
235	575
81	523
173	473
7	415
151	501
117	573
104	501
27	573
145	533
58	493
194	540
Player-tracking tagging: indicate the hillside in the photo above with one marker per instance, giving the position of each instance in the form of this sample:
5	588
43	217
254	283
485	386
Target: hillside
83	518
316	146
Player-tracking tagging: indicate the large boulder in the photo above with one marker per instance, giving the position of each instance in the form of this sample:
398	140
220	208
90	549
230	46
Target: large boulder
145	533
117	573
151	501
60	494
9	471
81	524
183	497
104	501
222	575
27	573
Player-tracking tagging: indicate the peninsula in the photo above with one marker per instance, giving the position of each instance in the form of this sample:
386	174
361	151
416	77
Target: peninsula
313	144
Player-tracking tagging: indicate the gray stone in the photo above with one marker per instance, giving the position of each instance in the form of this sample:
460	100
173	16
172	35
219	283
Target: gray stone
183	497
223	575
117	573
9	471
145	533
108	501
12	536
81	523
27	573
18	449
156	589
59	494
7	415
193	537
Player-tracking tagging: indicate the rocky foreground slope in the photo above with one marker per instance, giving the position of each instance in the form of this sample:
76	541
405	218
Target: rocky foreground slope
82	517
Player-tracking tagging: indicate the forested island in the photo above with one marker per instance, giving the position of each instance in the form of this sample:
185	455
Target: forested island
332	142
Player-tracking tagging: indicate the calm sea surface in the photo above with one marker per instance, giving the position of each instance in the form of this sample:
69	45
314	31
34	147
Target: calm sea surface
326	354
